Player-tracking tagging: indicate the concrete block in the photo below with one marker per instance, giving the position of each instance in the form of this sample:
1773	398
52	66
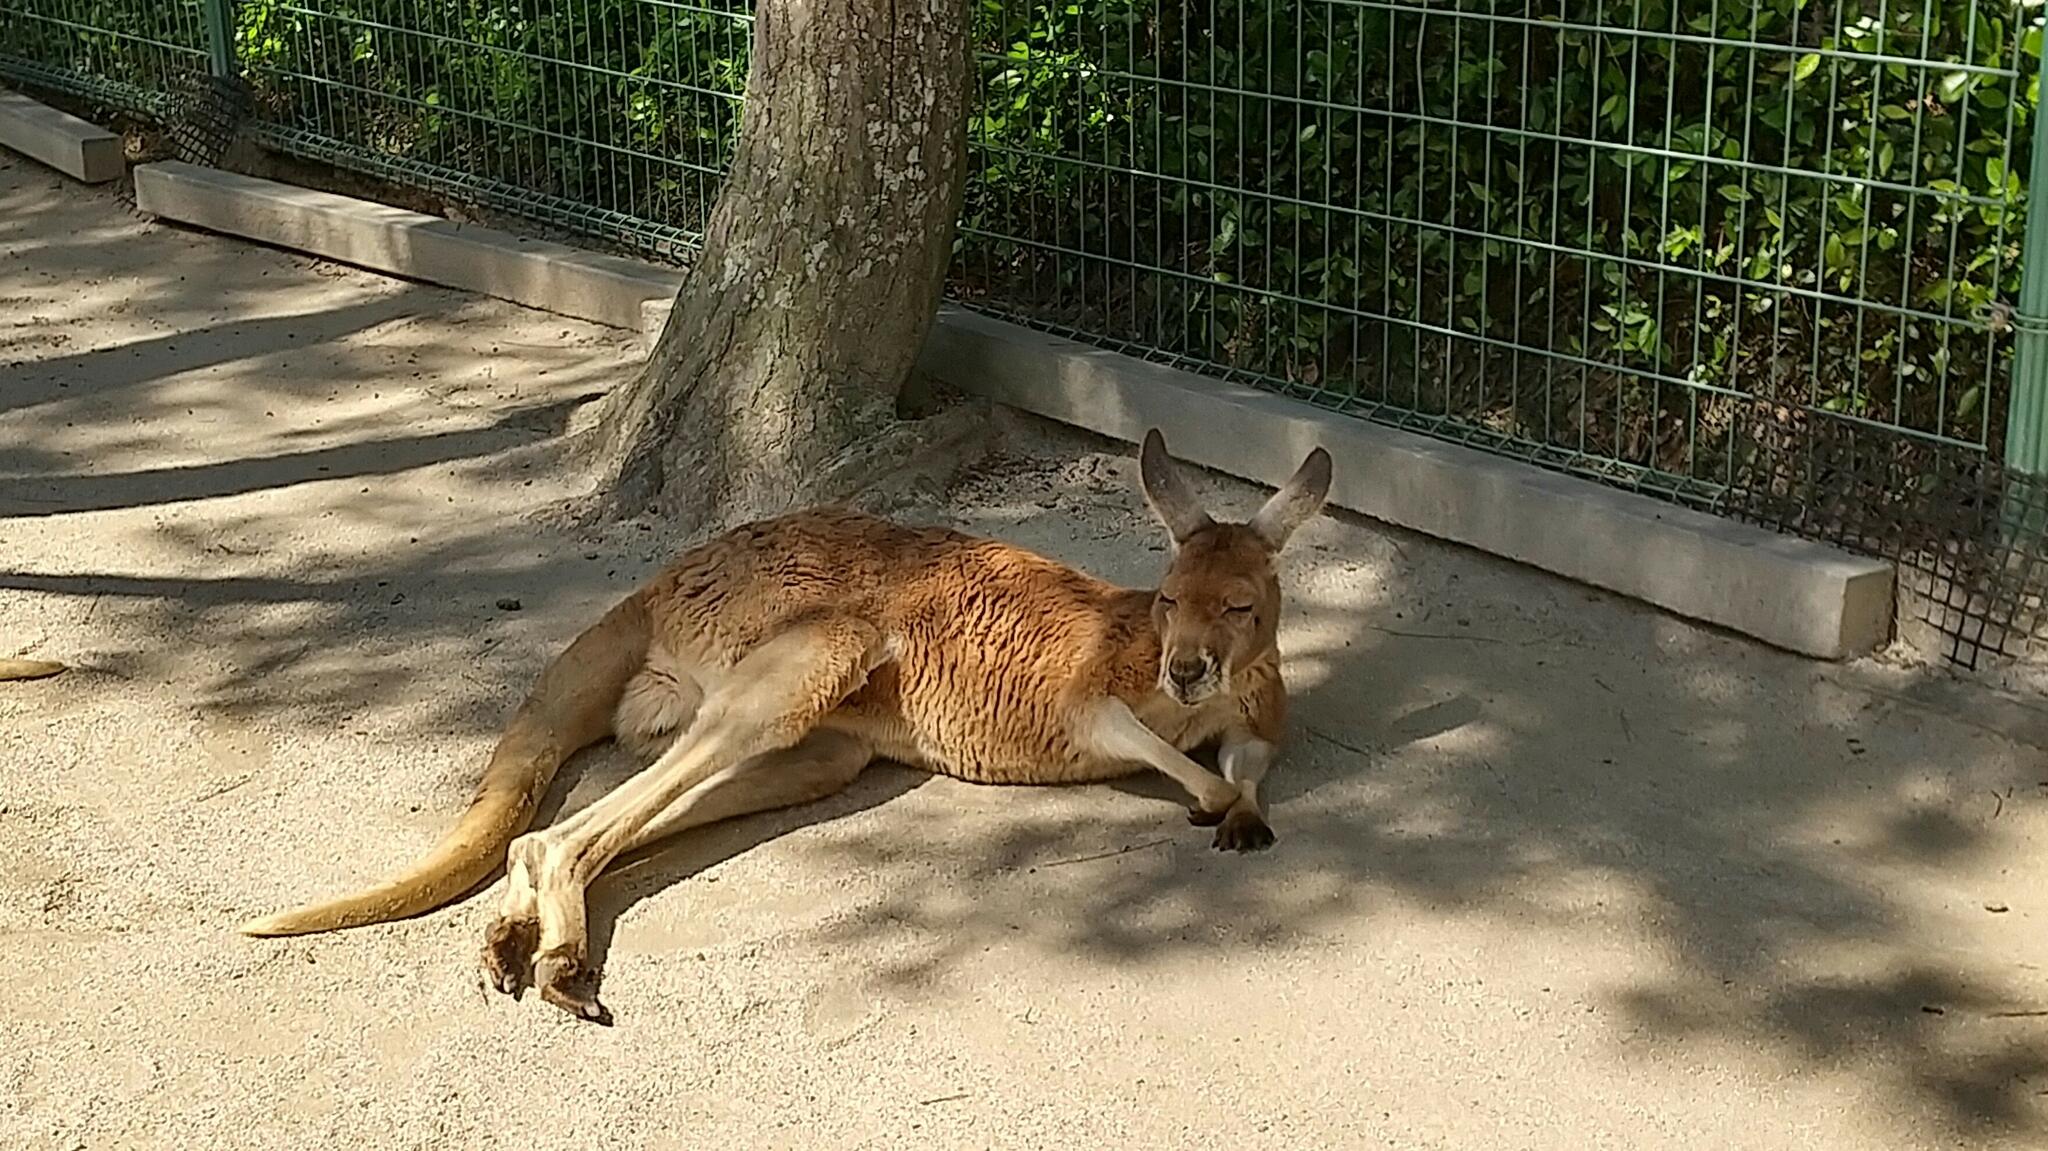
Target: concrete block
81	150
537	273
654	317
1792	593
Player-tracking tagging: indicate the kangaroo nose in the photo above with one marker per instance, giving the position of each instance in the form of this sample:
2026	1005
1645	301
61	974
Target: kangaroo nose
1187	671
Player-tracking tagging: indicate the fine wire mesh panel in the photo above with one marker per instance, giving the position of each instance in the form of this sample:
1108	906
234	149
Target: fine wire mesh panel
129	55
1965	532
1625	239
611	117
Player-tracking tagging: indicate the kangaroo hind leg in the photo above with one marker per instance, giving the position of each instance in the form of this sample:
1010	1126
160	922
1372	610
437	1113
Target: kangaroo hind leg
767	703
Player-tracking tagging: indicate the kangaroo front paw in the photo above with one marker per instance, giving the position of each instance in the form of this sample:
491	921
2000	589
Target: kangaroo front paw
1243	829
1215	801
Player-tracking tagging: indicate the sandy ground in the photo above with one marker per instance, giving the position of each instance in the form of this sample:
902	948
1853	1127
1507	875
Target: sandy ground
1554	871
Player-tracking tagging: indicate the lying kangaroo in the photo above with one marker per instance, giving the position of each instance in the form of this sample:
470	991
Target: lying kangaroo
768	666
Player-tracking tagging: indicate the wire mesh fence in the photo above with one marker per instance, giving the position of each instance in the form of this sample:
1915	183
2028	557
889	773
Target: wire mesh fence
1686	246
611	117
1608	236
125	55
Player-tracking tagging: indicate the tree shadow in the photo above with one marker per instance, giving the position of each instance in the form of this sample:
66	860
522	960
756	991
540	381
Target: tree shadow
1595	767
647	873
68	493
105	370
1736	799
1779	858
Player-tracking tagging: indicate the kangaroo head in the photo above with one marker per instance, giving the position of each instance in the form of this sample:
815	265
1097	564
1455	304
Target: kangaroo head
1219	606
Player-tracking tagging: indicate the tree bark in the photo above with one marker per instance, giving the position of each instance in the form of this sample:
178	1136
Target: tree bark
775	381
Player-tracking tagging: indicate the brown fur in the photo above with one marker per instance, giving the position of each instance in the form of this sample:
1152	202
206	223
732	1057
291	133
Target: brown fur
993	647
767	666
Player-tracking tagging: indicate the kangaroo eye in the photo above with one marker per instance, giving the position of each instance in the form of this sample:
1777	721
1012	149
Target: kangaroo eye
1238	608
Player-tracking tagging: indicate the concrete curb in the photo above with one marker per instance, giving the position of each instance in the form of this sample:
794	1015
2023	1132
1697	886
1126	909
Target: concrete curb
1788	592
537	273
1791	593
81	150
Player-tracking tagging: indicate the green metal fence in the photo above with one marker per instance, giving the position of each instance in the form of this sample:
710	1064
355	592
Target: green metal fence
1637	240
1617	238
611	117
127	55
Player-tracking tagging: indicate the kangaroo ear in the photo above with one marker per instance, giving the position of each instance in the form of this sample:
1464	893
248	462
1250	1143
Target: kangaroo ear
1297	501
1167	491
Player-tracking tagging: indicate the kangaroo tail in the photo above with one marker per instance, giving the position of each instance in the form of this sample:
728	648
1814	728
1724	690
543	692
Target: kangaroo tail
28	668
568	710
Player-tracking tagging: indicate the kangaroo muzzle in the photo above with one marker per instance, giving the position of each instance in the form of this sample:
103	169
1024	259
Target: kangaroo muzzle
1190	679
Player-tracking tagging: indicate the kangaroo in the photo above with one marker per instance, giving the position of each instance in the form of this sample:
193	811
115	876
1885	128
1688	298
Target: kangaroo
769	665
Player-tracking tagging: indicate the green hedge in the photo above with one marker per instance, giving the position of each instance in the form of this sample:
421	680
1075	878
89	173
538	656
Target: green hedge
1542	224
1456	206
127	53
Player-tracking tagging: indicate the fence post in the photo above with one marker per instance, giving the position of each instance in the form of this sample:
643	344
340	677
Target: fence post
2026	416
220	36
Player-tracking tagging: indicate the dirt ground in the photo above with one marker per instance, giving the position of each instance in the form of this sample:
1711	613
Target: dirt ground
1554	870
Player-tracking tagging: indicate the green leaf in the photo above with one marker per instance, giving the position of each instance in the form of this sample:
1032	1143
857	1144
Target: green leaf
1225	235
1986	32
1806	66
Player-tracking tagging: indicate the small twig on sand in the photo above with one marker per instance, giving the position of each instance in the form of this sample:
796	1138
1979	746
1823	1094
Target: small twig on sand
1333	741
1125	850
943	1099
223	788
1394	631
1399	633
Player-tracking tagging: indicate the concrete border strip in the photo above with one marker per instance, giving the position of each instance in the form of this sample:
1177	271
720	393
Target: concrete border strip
537	273
81	150
1789	592
1794	594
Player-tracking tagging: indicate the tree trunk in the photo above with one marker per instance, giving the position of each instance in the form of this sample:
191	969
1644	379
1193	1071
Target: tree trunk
775	382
